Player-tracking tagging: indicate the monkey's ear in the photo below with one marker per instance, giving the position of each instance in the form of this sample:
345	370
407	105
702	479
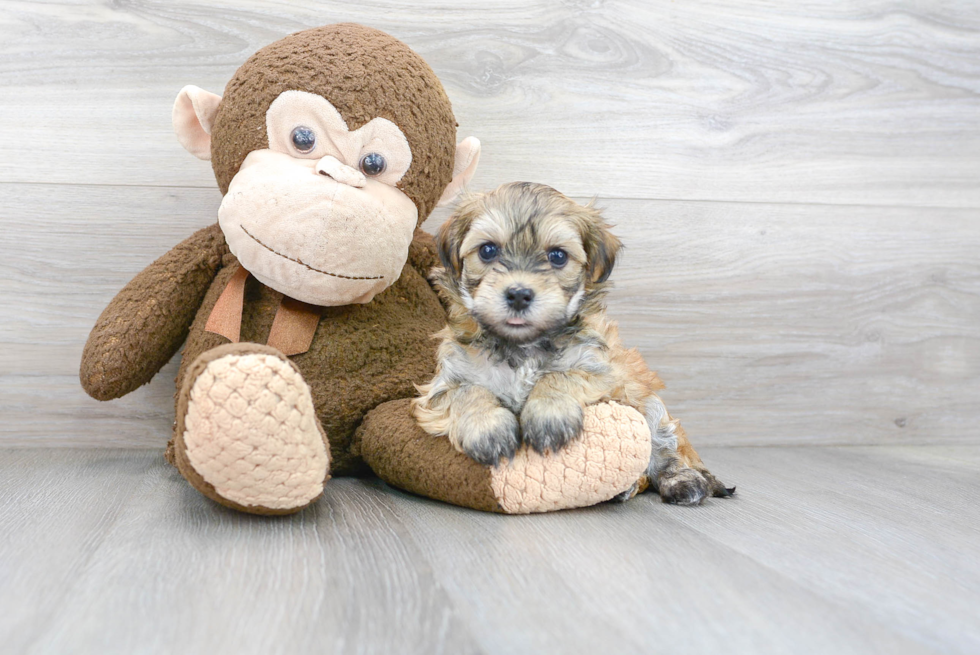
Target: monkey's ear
194	112
467	157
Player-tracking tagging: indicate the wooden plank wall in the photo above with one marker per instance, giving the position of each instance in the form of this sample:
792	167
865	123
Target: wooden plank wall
797	185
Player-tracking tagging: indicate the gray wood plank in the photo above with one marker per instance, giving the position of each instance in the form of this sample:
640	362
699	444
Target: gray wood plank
835	102
770	323
55	513
892	531
850	550
163	570
806	324
626	579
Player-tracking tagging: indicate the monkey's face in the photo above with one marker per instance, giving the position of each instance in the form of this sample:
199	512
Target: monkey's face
317	214
524	258
314	209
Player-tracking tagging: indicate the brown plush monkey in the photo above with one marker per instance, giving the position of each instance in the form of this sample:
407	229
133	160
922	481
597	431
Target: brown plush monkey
331	146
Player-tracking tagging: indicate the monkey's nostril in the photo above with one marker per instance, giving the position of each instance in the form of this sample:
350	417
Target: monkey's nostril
519	297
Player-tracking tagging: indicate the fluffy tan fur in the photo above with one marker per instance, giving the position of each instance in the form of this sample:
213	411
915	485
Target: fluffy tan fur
522	372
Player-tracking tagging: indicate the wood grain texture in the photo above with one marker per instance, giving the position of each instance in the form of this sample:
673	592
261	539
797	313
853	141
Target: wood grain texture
92	563
843	550
771	324
860	101
804	324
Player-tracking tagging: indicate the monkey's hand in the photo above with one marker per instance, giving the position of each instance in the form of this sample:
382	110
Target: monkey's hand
144	325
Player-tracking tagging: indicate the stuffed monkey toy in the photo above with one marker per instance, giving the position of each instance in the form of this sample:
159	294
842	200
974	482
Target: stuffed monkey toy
305	312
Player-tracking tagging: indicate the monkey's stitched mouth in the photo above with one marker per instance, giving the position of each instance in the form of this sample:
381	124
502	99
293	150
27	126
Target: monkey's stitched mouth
302	263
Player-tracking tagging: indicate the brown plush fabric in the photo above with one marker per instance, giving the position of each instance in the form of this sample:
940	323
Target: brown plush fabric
360	357
146	322
423	253
404	456
365	73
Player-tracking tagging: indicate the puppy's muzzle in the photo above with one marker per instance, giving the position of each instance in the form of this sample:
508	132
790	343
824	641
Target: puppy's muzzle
518	298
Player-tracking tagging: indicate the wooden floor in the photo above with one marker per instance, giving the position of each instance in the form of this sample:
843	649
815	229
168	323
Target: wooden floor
797	187
824	550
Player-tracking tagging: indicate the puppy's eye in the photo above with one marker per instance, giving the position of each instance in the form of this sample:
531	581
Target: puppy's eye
489	252
373	164
557	257
304	139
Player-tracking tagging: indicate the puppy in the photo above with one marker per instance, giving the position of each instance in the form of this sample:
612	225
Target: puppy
528	344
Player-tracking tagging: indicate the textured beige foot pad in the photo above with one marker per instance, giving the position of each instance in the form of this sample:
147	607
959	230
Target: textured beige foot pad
609	458
248	435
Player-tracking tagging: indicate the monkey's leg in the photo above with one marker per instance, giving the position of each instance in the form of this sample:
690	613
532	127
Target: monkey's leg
607	459
676	470
247	434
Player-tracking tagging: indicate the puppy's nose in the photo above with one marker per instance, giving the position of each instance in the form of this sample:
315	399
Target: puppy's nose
519	297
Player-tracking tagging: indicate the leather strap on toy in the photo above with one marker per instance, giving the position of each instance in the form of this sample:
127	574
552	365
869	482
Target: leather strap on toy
292	328
226	315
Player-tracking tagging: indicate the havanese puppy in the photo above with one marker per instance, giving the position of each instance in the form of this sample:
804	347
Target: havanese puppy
528	344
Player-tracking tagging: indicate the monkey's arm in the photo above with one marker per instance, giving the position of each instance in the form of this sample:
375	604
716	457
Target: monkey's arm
146	322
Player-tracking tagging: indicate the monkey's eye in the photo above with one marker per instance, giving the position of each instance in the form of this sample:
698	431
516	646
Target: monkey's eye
304	139
488	252
557	257
373	164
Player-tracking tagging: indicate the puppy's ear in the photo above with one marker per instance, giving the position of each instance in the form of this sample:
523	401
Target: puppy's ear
601	245
450	239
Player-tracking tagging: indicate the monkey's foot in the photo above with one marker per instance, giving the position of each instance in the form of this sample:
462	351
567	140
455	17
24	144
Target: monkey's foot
247	432
612	453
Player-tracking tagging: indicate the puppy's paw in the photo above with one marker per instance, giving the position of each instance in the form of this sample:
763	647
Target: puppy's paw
626	495
682	486
550	422
493	436
716	487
